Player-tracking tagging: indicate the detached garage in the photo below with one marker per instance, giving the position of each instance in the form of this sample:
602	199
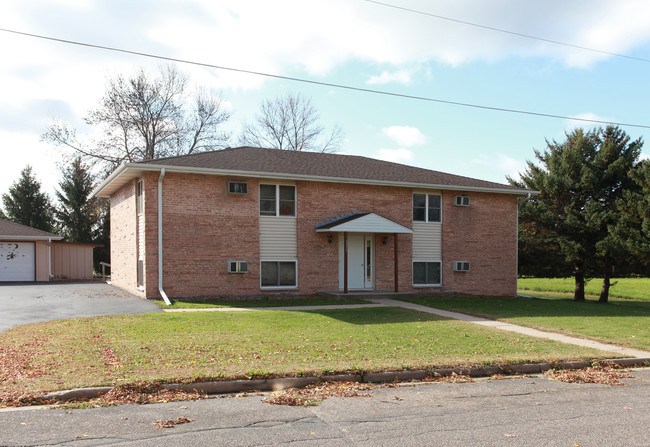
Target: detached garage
25	253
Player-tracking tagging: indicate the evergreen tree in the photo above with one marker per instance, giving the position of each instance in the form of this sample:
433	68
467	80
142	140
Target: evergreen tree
614	161
26	204
582	181
633	228
76	214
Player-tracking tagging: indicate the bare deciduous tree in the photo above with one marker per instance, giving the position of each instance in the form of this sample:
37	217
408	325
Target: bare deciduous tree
290	122
145	117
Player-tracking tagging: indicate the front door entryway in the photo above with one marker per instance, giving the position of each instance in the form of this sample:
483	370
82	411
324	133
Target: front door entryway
360	261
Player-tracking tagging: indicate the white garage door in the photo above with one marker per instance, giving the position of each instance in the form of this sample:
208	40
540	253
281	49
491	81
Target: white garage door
17	261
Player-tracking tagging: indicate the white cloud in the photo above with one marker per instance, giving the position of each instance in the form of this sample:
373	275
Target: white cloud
401	155
405	135
644	156
386	77
509	166
590	117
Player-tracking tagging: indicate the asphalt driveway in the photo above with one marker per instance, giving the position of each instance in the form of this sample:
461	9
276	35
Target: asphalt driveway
33	302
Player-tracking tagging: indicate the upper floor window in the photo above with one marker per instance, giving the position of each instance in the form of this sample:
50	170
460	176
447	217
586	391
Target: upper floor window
277	200
426	207
138	198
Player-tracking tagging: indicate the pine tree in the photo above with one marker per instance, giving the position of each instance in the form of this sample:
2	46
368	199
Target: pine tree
582	183
26	204
76	214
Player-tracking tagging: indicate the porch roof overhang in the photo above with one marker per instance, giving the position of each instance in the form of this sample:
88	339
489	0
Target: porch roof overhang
362	223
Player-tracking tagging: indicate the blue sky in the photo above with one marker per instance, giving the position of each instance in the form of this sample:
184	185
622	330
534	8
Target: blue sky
351	42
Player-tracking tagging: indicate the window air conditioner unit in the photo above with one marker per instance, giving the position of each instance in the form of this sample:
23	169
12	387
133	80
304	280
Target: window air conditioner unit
461	200
237	267
237	187
461	266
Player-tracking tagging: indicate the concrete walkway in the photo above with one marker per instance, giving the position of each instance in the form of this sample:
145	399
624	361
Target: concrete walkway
387	302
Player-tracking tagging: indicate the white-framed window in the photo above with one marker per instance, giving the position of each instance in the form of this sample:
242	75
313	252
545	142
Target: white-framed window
427	207
277	200
427	273
139	201
279	274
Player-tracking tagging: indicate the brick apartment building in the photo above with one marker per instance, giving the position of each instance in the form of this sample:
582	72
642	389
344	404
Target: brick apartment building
250	222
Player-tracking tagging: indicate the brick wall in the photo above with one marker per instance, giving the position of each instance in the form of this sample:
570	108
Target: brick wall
485	234
204	227
318	261
124	238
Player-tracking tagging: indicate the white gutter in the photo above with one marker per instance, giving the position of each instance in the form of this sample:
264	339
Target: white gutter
160	240
142	167
29	238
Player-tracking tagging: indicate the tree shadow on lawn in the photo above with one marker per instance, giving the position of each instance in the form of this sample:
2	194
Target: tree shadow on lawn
375	315
492	307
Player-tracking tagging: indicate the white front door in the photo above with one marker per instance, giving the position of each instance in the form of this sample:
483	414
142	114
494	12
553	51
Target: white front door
360	261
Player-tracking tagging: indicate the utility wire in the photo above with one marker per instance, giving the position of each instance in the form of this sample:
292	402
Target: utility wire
513	33
312	82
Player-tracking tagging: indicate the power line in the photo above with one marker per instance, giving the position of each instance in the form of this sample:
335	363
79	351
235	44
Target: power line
321	83
513	33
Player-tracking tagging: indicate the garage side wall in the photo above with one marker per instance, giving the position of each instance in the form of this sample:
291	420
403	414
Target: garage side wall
42	261
72	262
124	239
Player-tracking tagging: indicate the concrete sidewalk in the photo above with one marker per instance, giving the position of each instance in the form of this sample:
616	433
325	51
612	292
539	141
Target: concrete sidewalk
387	302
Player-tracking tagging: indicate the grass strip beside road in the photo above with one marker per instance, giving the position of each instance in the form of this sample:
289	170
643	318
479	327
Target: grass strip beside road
621	322
196	346
630	288
272	302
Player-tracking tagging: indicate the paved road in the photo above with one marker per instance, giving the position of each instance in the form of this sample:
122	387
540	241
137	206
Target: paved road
32	302
516	412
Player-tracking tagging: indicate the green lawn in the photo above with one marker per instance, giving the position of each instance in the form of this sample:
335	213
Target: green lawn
273	302
191	346
621	322
632	288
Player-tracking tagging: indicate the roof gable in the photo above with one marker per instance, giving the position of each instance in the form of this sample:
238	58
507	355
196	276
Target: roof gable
362	223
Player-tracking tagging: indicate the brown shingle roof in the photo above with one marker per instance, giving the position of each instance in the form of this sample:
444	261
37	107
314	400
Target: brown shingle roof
13	230
336	166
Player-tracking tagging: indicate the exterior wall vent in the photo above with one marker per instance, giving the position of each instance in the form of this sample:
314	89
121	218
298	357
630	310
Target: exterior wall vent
237	187
461	200
237	267
461	266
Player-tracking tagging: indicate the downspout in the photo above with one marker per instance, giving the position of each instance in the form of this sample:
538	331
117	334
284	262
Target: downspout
49	256
160	240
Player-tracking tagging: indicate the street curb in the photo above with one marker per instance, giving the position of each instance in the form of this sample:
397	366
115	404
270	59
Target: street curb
281	383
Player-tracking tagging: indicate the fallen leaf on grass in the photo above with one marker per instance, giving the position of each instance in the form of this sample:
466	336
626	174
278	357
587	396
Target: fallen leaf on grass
170	423
18	363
